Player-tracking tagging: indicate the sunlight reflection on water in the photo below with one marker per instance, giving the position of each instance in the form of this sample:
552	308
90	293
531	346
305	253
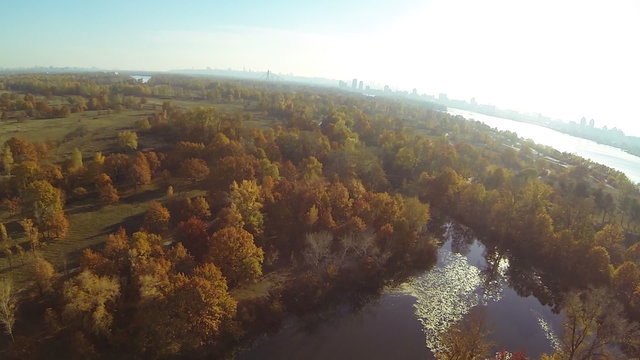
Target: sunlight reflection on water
446	294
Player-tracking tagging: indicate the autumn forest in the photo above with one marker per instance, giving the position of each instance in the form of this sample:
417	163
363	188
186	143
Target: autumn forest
184	216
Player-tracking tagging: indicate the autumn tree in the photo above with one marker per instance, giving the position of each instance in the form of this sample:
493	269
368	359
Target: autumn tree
594	322
25	173
246	196
96	165
194	169
465	340
233	250
625	280
7	159
196	207
156	219
31	233
193	235
195	312
128	140
140	171
41	201
611	237
5	243
8	306
22	150
43	274
117	166
76	160
56	226
88	301
107	193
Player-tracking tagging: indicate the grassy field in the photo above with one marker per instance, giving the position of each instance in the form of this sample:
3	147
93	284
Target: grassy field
98	134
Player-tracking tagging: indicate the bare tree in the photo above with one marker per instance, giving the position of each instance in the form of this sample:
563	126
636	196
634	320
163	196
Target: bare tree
8	306
318	248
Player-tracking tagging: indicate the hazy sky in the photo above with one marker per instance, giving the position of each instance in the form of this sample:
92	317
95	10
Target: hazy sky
563	58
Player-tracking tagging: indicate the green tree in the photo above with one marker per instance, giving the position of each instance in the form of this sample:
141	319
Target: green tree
128	140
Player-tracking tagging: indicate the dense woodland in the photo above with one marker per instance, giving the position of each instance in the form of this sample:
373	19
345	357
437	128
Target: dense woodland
261	200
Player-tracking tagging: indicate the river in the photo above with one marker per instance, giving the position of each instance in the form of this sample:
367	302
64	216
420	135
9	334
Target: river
405	321
141	78
588	149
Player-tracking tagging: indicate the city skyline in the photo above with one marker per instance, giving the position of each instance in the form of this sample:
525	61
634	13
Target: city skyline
566	60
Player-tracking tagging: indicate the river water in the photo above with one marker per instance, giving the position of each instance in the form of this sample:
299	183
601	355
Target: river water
588	149
141	78
404	323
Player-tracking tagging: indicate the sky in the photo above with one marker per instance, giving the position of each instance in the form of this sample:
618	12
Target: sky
562	58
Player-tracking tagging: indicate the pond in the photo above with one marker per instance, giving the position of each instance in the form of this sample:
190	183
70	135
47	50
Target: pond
405	321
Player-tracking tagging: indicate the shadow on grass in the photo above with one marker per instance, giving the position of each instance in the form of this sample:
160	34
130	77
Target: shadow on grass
84	209
143	197
130	224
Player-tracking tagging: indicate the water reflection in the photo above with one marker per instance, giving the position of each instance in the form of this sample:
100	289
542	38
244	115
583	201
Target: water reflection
405	321
468	275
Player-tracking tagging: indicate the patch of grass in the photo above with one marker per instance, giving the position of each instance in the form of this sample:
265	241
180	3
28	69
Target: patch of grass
99	130
263	287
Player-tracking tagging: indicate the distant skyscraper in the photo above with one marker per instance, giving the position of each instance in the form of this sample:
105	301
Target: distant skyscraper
414	92
354	84
361	85
386	88
592	123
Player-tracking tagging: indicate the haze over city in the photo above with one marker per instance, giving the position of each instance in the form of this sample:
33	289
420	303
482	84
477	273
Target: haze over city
563	59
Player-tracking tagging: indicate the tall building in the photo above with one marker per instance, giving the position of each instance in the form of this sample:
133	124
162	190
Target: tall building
354	84
360	85
592	123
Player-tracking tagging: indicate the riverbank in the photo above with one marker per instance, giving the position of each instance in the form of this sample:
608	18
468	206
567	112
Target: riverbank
610	137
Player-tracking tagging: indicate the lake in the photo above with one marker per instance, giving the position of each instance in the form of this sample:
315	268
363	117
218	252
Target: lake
404	322
588	149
